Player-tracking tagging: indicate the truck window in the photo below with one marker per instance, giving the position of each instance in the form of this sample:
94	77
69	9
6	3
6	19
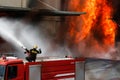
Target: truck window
2	72
12	72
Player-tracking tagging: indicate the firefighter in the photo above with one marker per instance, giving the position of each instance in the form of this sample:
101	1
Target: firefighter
32	54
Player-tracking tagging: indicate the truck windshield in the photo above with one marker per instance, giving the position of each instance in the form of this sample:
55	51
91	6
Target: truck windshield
2	72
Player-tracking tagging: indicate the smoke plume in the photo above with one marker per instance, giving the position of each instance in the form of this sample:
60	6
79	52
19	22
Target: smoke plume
92	34
19	34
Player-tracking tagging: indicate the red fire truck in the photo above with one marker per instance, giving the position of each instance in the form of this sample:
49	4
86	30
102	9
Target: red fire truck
46	69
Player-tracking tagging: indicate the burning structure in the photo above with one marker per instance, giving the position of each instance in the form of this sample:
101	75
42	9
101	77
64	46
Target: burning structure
94	34
90	35
36	17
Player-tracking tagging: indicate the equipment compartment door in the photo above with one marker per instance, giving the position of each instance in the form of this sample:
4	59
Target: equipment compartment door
35	72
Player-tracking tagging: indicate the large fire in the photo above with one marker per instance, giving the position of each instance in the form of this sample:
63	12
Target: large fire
94	32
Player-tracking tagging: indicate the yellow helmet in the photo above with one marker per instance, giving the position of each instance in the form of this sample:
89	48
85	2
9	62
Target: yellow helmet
35	46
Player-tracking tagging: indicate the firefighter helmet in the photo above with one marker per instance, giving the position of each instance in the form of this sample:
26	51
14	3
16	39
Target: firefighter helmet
35	46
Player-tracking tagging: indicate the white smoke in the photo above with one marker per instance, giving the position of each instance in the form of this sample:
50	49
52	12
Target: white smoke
17	33
21	34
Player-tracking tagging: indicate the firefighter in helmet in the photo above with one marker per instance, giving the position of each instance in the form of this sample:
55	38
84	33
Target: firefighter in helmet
33	54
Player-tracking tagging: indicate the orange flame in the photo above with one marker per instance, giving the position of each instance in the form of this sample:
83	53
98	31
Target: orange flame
94	28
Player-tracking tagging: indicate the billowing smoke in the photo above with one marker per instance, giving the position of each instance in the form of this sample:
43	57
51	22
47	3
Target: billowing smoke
19	34
92	34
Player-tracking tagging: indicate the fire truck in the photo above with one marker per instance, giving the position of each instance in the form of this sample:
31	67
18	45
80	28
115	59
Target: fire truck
45	69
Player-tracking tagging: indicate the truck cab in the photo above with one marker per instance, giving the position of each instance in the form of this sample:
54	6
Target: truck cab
11	69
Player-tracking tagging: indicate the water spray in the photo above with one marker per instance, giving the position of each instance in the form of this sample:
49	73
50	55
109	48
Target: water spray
10	38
